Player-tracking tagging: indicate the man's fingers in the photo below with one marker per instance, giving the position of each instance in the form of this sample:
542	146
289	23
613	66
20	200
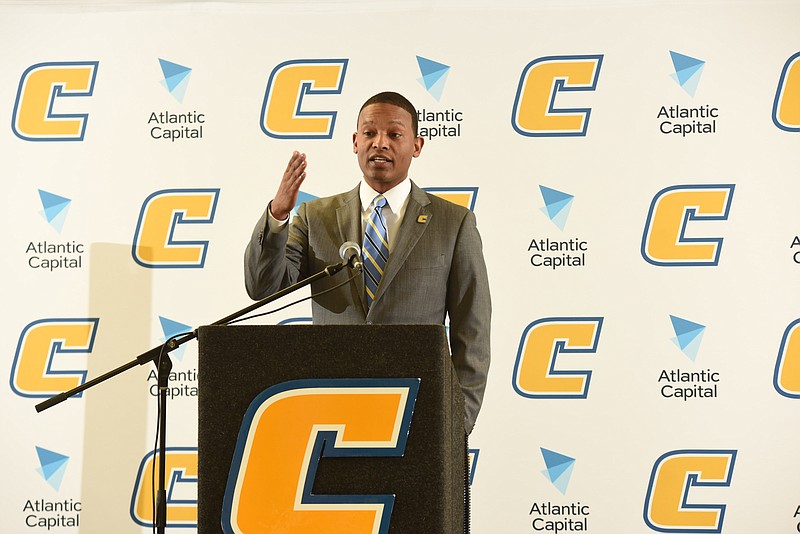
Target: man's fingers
288	190
296	165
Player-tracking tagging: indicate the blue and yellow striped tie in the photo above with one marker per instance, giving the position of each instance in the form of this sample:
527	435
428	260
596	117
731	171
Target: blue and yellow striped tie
375	250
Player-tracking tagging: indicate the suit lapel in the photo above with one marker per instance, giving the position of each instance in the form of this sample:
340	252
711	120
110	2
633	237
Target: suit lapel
348	218
411	229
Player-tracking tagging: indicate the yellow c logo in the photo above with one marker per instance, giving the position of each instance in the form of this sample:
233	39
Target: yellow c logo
39	368
667	507
285	432
787	369
535	373
181	463
786	110
41	86
284	114
665	242
535	113
463	196
154	245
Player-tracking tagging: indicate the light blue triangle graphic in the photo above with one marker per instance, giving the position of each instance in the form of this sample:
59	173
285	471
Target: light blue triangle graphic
434	76
556	205
173	328
173	73
683	62
55	210
692	82
688	71
52	466
688	336
302	197
559	469
437	88
54	206
176	78
562	481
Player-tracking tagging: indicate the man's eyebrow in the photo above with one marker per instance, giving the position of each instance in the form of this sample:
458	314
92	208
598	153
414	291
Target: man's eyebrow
393	121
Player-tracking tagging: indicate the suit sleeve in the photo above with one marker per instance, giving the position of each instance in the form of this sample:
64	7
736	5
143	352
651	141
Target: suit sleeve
470	310
274	260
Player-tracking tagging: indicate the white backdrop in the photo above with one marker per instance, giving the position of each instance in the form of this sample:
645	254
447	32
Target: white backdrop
620	428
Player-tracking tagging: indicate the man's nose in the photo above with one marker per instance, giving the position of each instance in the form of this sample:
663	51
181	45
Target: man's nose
380	140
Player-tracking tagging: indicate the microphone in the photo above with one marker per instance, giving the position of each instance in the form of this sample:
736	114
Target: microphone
351	253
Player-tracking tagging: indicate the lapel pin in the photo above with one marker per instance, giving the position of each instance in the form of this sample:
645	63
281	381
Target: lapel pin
422	219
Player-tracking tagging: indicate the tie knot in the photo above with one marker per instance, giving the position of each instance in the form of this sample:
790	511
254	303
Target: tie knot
379	202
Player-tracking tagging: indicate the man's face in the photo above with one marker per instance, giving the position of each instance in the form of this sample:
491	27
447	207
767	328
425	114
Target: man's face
385	144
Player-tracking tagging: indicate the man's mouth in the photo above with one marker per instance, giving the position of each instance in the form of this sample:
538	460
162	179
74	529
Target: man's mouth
380	159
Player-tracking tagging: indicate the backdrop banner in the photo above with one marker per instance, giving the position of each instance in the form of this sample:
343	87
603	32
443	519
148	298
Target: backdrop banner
633	166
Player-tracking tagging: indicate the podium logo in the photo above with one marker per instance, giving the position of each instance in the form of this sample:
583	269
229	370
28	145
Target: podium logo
675	474
786	109
181	488
285	432
542	343
787	369
154	244
463	196
45	347
665	242
688	71
52	466
285	115
43	89
535	113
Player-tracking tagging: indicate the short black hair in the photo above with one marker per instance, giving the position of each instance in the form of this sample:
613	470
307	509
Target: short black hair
395	99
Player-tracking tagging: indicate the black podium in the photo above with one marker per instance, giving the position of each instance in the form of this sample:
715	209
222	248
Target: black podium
249	375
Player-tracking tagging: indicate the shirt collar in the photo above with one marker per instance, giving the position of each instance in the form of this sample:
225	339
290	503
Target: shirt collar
395	197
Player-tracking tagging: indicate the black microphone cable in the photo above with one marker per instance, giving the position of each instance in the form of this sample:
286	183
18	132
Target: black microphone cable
314	295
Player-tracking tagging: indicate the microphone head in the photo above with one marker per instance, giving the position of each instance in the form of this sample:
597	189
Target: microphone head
351	253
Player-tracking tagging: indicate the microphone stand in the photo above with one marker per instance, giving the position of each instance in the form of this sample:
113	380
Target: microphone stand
160	355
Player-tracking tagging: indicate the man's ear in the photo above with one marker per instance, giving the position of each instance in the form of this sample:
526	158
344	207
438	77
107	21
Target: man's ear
418	142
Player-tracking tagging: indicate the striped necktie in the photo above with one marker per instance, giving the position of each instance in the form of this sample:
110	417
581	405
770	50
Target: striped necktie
375	249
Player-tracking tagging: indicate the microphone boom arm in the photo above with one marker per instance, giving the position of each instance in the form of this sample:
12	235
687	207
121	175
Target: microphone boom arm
153	354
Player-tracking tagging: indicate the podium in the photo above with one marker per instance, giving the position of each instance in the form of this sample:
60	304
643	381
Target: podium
303	428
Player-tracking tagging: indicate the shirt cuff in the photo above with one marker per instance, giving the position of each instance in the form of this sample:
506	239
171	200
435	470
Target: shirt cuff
274	225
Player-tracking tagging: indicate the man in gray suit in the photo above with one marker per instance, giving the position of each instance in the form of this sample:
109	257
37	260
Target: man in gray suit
435	267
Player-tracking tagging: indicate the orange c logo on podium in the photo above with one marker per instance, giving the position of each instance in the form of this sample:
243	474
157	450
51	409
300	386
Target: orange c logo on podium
285	432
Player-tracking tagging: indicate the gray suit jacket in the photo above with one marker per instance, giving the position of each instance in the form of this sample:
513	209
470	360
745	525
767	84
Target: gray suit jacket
436	269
